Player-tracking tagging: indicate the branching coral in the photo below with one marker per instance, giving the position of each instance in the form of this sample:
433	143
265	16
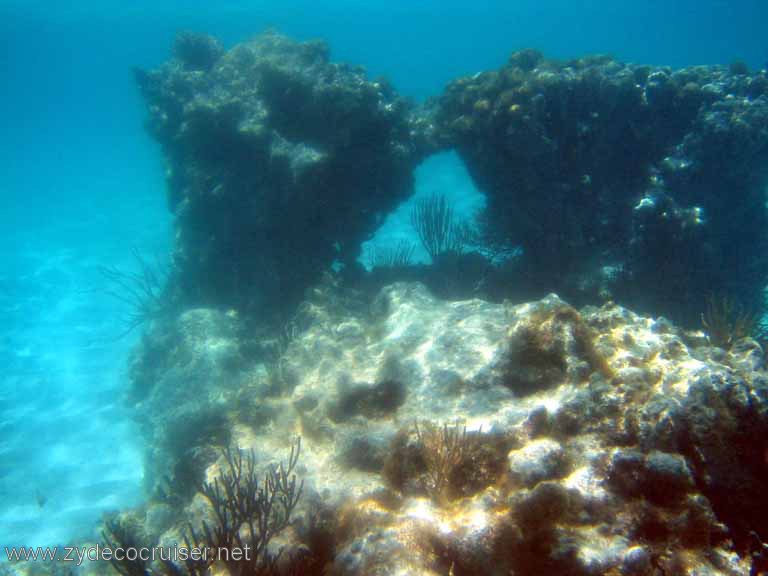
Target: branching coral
433	220
444	449
120	533
141	291
726	321
398	256
248	514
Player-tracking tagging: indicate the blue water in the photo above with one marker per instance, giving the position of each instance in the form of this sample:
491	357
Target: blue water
82	185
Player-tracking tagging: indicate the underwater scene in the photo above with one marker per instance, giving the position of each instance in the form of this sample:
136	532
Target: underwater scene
377	288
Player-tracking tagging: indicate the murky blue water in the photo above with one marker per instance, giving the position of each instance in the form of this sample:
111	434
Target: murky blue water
81	185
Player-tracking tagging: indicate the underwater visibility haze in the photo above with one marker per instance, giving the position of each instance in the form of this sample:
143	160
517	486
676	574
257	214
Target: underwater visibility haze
385	288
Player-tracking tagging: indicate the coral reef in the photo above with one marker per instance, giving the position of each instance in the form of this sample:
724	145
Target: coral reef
280	162
613	181
441	436
643	183
444	433
184	375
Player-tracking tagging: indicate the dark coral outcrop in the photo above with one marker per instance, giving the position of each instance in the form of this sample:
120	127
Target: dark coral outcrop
625	180
638	183
279	162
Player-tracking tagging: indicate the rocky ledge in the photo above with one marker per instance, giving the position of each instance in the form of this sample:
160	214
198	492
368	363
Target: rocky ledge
466	437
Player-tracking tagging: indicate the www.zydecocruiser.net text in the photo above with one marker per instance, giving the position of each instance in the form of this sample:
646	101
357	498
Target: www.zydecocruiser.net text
78	555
